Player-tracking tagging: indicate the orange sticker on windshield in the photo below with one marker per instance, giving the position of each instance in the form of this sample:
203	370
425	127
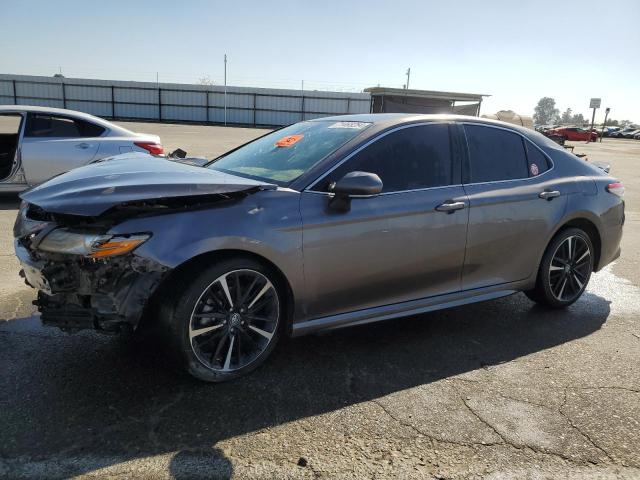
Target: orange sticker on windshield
289	140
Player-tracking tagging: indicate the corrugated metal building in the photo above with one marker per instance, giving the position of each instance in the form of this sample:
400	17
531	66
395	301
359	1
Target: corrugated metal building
128	100
179	102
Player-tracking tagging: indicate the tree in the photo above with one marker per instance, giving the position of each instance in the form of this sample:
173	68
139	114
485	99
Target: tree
206	80
566	117
611	122
546	112
577	119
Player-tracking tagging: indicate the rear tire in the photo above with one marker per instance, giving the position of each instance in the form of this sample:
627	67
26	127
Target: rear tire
565	269
226	319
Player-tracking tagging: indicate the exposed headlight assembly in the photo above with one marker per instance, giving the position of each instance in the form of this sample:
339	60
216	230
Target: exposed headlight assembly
90	244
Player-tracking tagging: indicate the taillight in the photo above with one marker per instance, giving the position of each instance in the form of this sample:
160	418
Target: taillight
152	147
616	188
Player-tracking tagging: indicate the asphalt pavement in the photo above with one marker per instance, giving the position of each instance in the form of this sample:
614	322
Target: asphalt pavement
502	389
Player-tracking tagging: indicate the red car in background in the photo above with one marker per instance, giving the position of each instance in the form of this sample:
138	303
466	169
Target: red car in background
573	133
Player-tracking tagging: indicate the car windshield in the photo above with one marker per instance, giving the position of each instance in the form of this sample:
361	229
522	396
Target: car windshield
284	155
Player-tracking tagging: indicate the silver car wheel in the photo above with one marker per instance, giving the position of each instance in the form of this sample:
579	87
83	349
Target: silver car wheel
570	268
234	320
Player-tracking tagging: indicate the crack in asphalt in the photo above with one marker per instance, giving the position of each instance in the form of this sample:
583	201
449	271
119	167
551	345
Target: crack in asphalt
401	422
504	443
522	400
507	442
434	438
419	432
585	435
523	446
566	416
603	387
535	449
562	413
485	422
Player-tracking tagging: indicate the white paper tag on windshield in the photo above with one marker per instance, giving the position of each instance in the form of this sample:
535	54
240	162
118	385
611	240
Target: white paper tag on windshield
353	125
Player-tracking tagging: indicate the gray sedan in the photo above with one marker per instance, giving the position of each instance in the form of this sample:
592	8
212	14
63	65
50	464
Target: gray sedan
324	224
37	143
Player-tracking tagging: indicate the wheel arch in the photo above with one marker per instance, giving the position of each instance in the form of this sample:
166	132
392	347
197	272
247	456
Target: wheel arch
589	227
185	270
594	234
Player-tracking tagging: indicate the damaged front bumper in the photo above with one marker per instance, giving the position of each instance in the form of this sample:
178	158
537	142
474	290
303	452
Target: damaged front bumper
106	283
76	292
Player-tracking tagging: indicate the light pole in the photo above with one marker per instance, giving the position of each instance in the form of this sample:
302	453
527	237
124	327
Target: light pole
595	103
408	75
606	114
225	89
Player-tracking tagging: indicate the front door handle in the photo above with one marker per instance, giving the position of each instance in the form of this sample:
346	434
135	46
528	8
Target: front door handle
549	194
450	207
83	145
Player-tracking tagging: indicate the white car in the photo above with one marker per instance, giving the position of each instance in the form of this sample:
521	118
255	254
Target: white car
38	143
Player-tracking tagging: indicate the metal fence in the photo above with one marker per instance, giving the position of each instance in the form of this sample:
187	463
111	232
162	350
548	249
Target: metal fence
168	102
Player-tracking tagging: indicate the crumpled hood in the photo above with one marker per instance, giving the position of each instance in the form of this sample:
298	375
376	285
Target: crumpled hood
95	188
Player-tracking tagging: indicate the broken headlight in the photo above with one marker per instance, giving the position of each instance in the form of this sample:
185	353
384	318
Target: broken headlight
90	244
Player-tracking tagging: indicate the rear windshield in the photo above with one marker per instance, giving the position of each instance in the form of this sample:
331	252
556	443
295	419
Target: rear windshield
284	155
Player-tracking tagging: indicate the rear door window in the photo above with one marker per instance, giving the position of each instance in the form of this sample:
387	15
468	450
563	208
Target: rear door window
42	125
408	159
537	162
495	154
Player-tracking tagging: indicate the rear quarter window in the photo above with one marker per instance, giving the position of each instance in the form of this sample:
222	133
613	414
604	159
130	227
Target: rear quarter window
88	129
536	160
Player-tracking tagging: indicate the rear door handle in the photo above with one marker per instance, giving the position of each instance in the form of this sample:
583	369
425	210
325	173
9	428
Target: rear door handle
83	145
549	194
450	207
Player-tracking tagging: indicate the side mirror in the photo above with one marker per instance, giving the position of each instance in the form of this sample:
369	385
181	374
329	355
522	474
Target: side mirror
354	184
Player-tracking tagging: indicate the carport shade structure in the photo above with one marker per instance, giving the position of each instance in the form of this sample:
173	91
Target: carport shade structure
403	100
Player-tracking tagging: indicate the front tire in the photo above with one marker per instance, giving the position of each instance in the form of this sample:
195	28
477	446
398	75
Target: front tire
565	269
226	320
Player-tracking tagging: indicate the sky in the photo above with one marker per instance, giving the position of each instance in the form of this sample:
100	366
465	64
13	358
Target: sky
516	51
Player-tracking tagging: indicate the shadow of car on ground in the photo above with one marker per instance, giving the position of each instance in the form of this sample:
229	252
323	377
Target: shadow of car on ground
86	393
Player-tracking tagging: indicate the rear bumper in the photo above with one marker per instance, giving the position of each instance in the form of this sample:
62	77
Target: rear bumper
76	293
611	235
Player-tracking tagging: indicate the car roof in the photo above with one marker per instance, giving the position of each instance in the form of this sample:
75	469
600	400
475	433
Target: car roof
391	119
63	111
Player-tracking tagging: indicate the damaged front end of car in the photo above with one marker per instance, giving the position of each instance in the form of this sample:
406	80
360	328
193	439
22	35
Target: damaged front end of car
86	278
91	274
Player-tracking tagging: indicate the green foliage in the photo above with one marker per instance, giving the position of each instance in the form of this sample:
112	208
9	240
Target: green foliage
577	119
546	112
569	118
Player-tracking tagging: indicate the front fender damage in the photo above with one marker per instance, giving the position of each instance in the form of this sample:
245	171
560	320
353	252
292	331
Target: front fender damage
106	295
